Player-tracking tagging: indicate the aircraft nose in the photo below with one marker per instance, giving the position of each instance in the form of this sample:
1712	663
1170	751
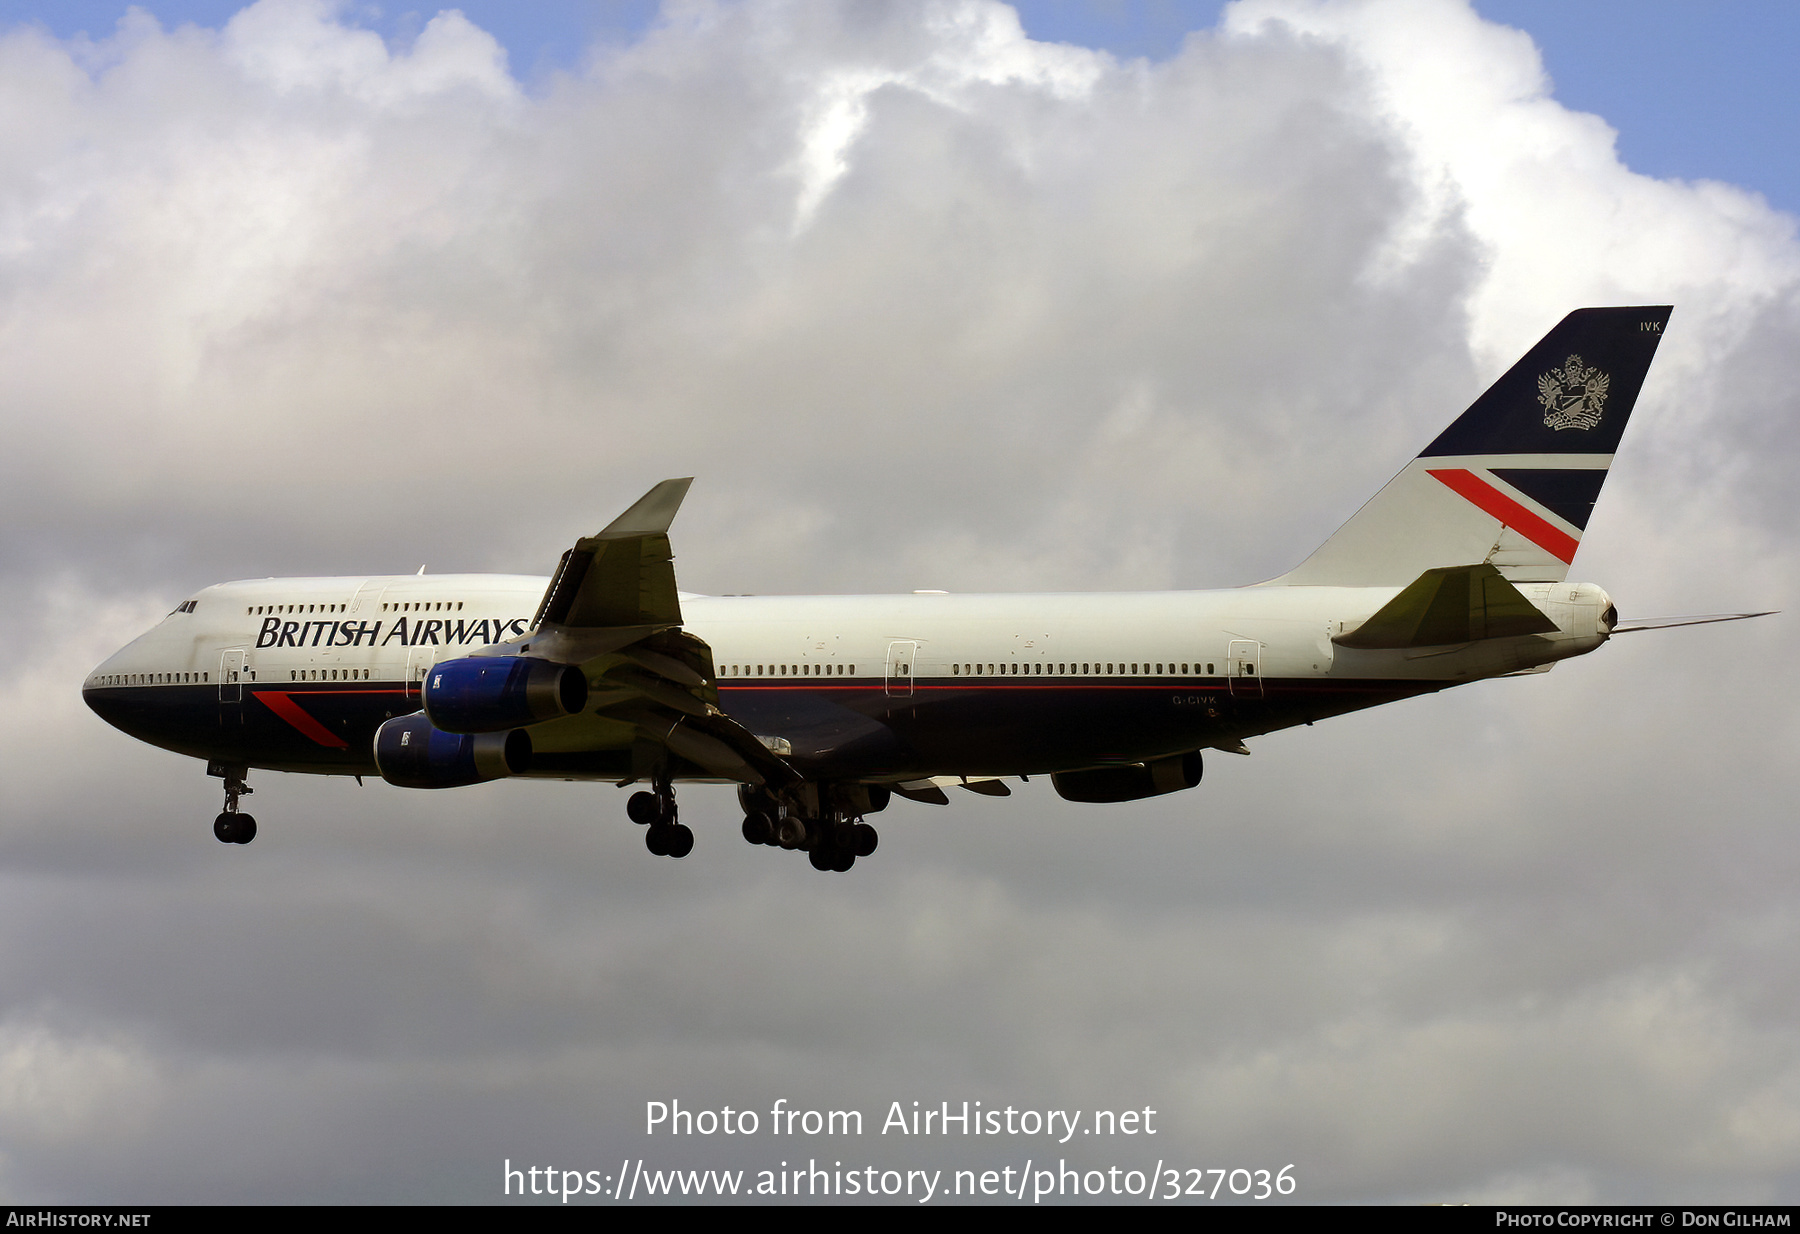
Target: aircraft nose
100	697
108	696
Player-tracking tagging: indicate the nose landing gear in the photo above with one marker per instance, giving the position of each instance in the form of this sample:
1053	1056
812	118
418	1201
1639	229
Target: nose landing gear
233	826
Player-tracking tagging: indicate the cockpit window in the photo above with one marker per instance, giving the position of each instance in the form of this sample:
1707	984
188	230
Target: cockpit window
186	606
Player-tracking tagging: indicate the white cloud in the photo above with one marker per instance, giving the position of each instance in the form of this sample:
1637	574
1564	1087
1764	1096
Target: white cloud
302	46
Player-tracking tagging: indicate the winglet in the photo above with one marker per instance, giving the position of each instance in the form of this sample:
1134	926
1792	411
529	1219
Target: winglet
624	575
651	514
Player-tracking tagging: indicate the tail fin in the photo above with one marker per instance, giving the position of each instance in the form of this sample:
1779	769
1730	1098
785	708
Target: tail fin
1511	483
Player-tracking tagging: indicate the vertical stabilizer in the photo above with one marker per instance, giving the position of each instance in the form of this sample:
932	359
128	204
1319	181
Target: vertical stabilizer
1511	483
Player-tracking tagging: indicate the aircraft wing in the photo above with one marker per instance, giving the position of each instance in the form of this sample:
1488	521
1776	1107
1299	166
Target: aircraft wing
612	608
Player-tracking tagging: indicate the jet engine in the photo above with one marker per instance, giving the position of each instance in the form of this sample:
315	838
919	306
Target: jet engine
486	694
411	753
1130	782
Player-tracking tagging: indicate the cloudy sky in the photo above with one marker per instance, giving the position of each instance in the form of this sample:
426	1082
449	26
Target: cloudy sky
924	298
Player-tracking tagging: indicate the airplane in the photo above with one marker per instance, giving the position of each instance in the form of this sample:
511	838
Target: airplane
822	709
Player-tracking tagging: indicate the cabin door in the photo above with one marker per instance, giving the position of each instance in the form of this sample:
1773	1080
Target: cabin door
1243	660
900	666
231	688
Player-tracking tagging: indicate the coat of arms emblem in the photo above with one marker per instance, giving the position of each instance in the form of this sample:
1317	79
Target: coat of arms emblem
1573	396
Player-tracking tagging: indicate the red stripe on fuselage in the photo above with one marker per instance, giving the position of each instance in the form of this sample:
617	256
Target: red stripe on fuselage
1490	500
294	714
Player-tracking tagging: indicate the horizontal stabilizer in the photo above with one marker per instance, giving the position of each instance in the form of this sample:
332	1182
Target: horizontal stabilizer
1450	604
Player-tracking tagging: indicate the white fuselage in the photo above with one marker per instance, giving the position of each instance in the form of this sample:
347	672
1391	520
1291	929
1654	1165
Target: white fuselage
299	674
391	629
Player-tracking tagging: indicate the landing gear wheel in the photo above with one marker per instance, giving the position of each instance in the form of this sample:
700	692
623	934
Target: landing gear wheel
821	859
757	828
231	828
656	839
863	839
644	809
681	840
842	860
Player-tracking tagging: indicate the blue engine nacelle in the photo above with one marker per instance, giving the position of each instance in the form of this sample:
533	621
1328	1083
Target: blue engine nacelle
486	694
412	753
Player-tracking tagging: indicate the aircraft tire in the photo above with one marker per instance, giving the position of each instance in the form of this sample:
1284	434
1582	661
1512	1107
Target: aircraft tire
756	827
245	830
842	860
681	840
821	858
643	809
864	840
792	833
656	839
225	828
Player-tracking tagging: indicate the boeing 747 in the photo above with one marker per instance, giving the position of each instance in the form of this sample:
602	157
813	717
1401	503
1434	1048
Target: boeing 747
822	709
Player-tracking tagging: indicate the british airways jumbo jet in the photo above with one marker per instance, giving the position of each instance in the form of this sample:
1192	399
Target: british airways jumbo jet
822	708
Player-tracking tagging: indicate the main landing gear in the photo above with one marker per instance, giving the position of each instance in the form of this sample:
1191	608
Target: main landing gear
830	832
666	835
233	826
823	821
